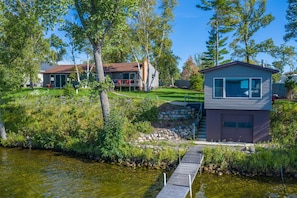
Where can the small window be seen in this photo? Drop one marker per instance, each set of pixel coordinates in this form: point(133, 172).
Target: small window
point(230, 124)
point(52, 79)
point(244, 125)
point(256, 88)
point(218, 92)
point(125, 75)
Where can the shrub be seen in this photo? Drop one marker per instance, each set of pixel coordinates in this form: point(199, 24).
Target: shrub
point(196, 81)
point(283, 123)
point(51, 122)
point(14, 140)
point(136, 111)
point(147, 110)
point(68, 90)
point(111, 139)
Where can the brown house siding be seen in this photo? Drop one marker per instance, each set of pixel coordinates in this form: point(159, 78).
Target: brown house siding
point(258, 130)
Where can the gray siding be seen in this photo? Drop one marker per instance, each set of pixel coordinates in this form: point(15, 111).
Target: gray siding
point(263, 103)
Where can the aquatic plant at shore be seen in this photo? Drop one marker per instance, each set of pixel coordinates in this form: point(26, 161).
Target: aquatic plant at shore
point(267, 160)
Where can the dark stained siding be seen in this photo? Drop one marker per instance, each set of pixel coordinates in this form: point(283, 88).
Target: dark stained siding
point(263, 103)
point(260, 128)
point(46, 79)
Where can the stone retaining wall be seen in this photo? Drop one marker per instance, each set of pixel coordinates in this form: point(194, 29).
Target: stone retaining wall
point(180, 114)
point(172, 133)
point(163, 134)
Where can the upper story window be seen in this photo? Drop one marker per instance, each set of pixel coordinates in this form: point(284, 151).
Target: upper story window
point(237, 88)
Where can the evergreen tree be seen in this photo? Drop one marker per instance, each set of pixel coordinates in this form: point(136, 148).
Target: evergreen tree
point(250, 16)
point(209, 57)
point(291, 27)
point(221, 22)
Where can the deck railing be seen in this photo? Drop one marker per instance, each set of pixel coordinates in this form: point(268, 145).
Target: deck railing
point(125, 82)
point(199, 114)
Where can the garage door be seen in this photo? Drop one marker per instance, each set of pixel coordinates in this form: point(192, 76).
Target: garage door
point(237, 128)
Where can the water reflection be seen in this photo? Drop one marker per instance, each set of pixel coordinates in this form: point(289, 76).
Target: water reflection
point(236, 186)
point(34, 173)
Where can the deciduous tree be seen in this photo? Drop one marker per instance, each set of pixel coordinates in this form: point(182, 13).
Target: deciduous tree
point(22, 23)
point(96, 20)
point(189, 68)
point(150, 35)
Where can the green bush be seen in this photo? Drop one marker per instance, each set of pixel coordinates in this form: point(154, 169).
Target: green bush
point(68, 90)
point(196, 81)
point(147, 110)
point(283, 123)
point(263, 161)
point(111, 139)
point(51, 122)
point(137, 110)
point(15, 140)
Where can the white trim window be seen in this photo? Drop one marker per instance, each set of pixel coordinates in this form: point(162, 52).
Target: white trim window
point(237, 87)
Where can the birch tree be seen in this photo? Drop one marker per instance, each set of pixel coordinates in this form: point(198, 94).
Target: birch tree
point(150, 34)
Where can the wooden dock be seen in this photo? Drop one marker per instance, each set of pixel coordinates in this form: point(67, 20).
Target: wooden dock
point(178, 184)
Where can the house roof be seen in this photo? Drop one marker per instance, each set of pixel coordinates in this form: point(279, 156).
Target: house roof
point(241, 64)
point(60, 69)
point(108, 68)
point(121, 67)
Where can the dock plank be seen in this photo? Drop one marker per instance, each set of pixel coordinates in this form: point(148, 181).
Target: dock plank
point(192, 158)
point(178, 184)
point(173, 191)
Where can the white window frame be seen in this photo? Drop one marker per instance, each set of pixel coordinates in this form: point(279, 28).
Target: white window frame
point(250, 87)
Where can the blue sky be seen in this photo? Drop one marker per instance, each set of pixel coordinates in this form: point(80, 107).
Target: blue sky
point(190, 29)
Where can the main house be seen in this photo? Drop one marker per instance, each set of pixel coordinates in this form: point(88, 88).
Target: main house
point(238, 102)
point(129, 75)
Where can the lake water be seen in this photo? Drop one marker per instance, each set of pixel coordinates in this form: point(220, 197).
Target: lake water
point(35, 173)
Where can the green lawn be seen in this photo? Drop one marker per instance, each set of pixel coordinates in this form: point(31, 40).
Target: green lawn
point(161, 94)
point(167, 94)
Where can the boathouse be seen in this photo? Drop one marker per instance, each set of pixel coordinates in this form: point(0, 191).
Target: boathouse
point(238, 102)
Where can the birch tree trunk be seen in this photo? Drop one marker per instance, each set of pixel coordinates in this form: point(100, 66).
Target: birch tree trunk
point(100, 72)
point(2, 129)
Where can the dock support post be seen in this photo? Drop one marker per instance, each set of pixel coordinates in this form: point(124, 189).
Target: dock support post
point(190, 186)
point(194, 126)
point(164, 178)
point(178, 156)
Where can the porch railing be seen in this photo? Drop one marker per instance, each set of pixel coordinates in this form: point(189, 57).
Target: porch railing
point(126, 82)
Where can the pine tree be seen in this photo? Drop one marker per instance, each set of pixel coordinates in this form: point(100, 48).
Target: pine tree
point(250, 17)
point(209, 57)
point(221, 22)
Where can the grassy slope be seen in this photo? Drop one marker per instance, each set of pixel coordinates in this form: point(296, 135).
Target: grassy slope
point(168, 94)
point(161, 94)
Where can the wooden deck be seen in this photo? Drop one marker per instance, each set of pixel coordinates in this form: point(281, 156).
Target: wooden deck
point(178, 184)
